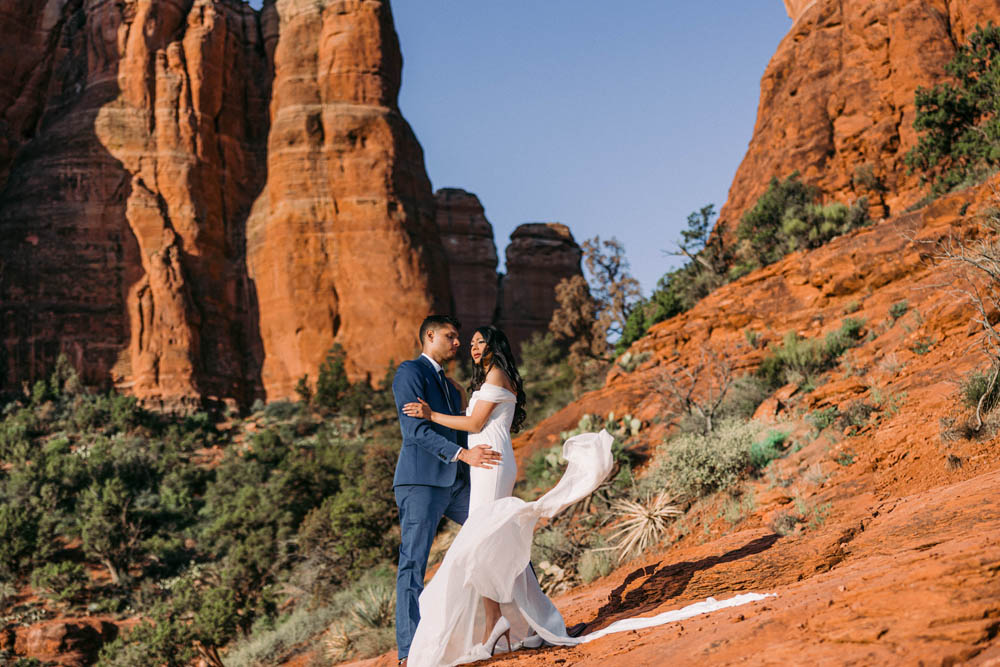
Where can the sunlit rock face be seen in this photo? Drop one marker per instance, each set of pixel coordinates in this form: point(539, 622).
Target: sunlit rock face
point(342, 243)
point(837, 98)
point(198, 199)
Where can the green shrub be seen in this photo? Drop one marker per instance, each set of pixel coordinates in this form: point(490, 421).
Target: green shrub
point(898, 309)
point(696, 465)
point(764, 451)
point(785, 219)
point(802, 360)
point(18, 537)
point(596, 563)
point(821, 419)
point(62, 582)
point(332, 384)
point(548, 378)
point(975, 385)
point(958, 122)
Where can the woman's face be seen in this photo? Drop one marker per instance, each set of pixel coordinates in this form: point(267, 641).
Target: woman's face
point(480, 355)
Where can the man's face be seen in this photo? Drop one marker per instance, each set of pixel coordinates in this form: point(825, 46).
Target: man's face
point(441, 344)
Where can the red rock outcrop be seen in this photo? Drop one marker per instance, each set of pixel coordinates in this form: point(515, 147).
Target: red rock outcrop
point(837, 99)
point(538, 257)
point(342, 244)
point(65, 642)
point(177, 229)
point(467, 237)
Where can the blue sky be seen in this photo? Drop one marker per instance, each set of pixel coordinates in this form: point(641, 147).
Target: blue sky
point(618, 119)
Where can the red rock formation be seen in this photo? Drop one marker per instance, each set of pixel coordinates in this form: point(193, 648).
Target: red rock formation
point(467, 237)
point(538, 257)
point(64, 642)
point(342, 244)
point(136, 138)
point(837, 99)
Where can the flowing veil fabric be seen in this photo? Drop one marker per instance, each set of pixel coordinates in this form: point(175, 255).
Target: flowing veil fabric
point(489, 558)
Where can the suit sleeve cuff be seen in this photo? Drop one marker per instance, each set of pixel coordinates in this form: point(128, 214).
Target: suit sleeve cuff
point(455, 457)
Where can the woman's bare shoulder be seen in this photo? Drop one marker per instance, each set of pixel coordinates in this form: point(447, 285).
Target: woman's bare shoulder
point(498, 377)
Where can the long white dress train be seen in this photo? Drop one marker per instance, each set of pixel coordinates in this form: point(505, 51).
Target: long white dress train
point(490, 555)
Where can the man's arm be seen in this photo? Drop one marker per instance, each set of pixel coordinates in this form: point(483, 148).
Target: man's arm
point(407, 388)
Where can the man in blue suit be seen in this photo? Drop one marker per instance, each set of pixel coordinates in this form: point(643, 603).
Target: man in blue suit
point(432, 473)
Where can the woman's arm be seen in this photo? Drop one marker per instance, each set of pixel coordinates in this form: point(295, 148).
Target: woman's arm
point(473, 423)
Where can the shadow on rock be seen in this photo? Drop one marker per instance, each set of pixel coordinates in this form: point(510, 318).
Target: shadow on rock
point(661, 583)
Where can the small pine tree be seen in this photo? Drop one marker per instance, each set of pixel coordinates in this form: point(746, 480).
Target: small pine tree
point(332, 383)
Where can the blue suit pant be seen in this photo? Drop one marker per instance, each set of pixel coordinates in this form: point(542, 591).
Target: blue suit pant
point(420, 510)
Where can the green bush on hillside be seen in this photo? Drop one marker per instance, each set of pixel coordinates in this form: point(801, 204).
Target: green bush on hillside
point(784, 219)
point(801, 361)
point(959, 142)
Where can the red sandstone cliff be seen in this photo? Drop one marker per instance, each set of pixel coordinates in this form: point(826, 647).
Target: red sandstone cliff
point(199, 199)
point(342, 244)
point(836, 100)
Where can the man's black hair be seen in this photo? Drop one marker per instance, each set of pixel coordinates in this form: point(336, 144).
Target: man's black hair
point(435, 321)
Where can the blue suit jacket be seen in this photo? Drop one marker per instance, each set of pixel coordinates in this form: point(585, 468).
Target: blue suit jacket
point(428, 448)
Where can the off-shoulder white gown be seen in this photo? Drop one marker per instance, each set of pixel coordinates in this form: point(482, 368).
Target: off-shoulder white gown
point(490, 554)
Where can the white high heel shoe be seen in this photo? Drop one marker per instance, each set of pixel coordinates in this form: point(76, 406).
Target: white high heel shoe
point(501, 629)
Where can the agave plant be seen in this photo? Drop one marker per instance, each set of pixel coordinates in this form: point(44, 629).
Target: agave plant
point(375, 607)
point(642, 524)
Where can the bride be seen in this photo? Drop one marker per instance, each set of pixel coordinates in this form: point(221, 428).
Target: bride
point(485, 590)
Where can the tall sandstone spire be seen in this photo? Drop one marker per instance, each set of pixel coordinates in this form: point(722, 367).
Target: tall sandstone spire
point(342, 244)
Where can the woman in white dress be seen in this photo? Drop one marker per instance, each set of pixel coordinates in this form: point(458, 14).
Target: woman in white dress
point(485, 589)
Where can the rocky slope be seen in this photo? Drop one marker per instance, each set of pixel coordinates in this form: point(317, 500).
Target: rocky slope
point(899, 562)
point(836, 100)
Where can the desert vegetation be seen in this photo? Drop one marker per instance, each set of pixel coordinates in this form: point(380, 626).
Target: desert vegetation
point(786, 218)
point(210, 528)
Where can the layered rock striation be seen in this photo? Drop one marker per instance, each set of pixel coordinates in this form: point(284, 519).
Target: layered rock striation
point(342, 243)
point(837, 98)
point(198, 199)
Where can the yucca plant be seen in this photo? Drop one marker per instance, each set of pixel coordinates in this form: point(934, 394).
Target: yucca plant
point(643, 524)
point(376, 607)
point(340, 643)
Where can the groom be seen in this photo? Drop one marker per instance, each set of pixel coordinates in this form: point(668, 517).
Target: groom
point(432, 473)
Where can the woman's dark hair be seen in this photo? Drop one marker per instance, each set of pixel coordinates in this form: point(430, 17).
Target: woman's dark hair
point(498, 347)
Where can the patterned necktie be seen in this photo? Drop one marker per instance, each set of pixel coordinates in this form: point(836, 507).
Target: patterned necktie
point(447, 394)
